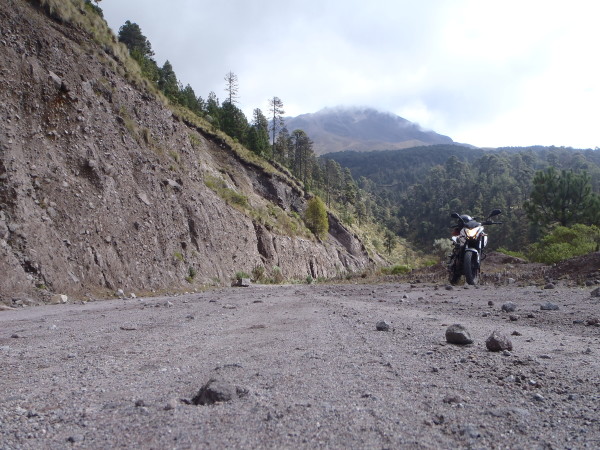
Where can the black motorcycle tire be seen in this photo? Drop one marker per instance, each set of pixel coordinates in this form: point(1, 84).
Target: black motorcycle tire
point(470, 267)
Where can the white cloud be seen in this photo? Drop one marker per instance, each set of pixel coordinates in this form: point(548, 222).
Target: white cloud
point(493, 74)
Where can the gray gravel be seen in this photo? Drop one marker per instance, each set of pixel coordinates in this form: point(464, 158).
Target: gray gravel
point(303, 367)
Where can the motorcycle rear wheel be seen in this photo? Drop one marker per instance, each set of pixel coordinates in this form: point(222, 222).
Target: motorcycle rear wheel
point(471, 268)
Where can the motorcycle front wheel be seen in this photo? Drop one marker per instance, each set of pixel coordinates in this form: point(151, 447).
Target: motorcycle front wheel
point(471, 268)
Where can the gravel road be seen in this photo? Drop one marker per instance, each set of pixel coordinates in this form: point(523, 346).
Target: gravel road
point(306, 368)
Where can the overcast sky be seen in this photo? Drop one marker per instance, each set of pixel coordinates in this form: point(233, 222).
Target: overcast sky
point(491, 74)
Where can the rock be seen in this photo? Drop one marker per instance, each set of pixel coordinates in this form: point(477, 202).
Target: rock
point(509, 307)
point(76, 438)
point(55, 79)
point(513, 317)
point(595, 292)
point(382, 325)
point(58, 299)
point(120, 293)
point(470, 431)
point(549, 307)
point(243, 282)
point(550, 286)
point(217, 391)
point(458, 334)
point(449, 287)
point(594, 321)
point(498, 342)
point(171, 404)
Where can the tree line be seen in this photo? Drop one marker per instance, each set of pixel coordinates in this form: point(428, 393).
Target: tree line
point(537, 188)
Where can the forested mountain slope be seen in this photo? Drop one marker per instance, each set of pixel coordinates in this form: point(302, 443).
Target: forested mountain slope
point(361, 129)
point(104, 187)
point(416, 189)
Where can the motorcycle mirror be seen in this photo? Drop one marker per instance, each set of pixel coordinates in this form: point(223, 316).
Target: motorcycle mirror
point(455, 215)
point(495, 213)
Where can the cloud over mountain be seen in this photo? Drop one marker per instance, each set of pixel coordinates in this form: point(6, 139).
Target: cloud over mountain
point(361, 129)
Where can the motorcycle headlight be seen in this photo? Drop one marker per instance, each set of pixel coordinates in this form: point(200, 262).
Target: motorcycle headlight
point(471, 232)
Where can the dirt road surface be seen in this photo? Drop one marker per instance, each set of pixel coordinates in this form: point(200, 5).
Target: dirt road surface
point(306, 368)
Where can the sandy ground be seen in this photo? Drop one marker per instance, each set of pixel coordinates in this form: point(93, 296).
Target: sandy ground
point(310, 368)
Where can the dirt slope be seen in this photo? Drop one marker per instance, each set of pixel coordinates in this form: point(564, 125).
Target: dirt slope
point(102, 187)
point(310, 368)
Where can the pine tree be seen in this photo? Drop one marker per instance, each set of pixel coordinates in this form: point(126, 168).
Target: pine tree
point(131, 35)
point(564, 198)
point(231, 87)
point(277, 112)
point(258, 139)
point(168, 83)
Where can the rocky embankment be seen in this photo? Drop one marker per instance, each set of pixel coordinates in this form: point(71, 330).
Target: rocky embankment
point(103, 188)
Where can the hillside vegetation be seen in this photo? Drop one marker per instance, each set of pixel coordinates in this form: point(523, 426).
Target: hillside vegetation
point(537, 188)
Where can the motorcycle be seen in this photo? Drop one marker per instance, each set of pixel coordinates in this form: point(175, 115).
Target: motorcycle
point(469, 241)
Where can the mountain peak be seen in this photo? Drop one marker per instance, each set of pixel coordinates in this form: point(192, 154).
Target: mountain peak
point(334, 129)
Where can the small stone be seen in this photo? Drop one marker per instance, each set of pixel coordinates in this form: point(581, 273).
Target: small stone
point(549, 307)
point(120, 293)
point(497, 342)
point(243, 282)
point(382, 325)
point(171, 404)
point(458, 334)
point(490, 303)
point(516, 333)
point(509, 307)
point(449, 287)
point(132, 295)
point(538, 397)
point(76, 438)
point(470, 431)
point(58, 299)
point(215, 391)
point(550, 286)
point(595, 292)
point(513, 317)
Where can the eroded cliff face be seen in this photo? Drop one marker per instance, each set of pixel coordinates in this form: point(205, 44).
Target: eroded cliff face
point(103, 188)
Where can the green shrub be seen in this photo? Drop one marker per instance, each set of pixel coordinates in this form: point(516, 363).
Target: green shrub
point(512, 253)
point(563, 243)
point(315, 217)
point(240, 275)
point(258, 273)
point(277, 276)
point(398, 269)
point(191, 274)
